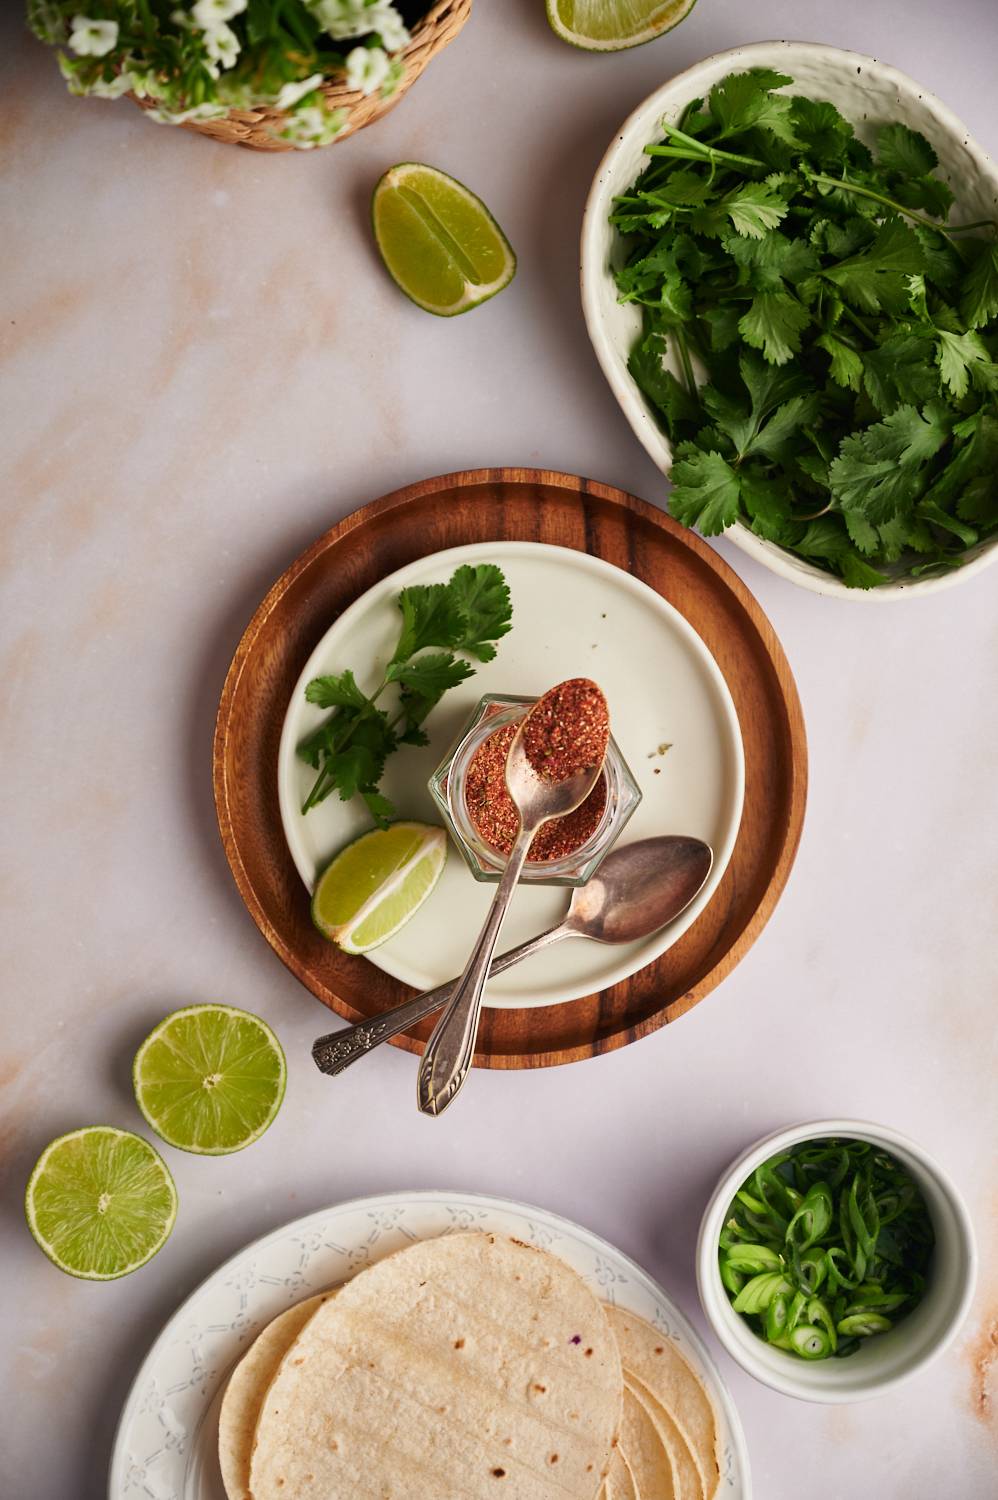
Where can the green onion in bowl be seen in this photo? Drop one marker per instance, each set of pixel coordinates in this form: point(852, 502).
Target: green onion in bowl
point(824, 1245)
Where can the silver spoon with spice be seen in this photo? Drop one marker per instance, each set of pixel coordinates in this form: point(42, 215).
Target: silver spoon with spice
point(553, 764)
point(635, 892)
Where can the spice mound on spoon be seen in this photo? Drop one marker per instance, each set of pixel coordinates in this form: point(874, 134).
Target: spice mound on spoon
point(554, 762)
point(568, 730)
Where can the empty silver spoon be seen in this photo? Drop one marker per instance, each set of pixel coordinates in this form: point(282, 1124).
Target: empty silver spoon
point(635, 891)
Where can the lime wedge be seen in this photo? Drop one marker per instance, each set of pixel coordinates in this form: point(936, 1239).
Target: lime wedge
point(611, 25)
point(439, 241)
point(210, 1079)
point(377, 883)
point(100, 1202)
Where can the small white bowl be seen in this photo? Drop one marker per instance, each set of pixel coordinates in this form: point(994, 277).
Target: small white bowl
point(885, 1359)
point(869, 94)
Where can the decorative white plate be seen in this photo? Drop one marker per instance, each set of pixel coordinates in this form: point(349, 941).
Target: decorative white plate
point(573, 615)
point(868, 93)
point(166, 1444)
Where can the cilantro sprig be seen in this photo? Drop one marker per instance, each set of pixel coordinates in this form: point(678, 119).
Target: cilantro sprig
point(836, 336)
point(442, 625)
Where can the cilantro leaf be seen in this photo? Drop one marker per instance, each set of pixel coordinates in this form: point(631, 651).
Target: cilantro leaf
point(743, 101)
point(905, 151)
point(902, 371)
point(430, 676)
point(753, 209)
point(774, 324)
point(861, 277)
point(846, 367)
point(957, 354)
point(378, 805)
point(768, 262)
point(336, 691)
point(879, 471)
point(480, 598)
point(429, 618)
point(705, 490)
point(658, 384)
point(980, 290)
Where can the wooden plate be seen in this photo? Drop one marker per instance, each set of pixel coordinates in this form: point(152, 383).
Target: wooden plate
point(534, 505)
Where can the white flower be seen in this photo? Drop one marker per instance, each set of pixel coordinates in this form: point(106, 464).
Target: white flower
point(367, 68)
point(208, 13)
point(222, 44)
point(93, 38)
point(102, 88)
point(339, 18)
point(313, 126)
point(386, 21)
point(178, 116)
point(395, 75)
point(292, 92)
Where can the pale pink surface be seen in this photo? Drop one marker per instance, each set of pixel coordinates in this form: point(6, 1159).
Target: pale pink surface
point(204, 366)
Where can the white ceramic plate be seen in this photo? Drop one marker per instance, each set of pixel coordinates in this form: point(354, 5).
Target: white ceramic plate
point(166, 1444)
point(868, 93)
point(573, 615)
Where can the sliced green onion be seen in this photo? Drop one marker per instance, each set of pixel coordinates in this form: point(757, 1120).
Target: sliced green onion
point(756, 1295)
point(862, 1325)
point(754, 1258)
point(776, 1317)
point(811, 1268)
point(810, 1342)
point(733, 1280)
point(813, 1219)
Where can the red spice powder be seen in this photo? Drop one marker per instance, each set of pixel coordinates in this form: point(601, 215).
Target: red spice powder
point(494, 814)
point(567, 730)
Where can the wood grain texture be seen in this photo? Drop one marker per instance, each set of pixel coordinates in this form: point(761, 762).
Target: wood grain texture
point(514, 505)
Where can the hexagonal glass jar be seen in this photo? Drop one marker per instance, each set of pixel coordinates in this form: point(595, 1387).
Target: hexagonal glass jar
point(447, 787)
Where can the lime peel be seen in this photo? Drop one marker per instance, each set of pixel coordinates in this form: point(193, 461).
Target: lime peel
point(612, 25)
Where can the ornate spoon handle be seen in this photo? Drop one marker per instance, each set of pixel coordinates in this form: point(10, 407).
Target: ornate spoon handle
point(336, 1051)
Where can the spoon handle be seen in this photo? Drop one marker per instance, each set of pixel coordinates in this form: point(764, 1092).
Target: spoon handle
point(445, 1063)
point(335, 1052)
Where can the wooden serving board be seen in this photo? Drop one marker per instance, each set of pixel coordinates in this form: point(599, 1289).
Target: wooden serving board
point(514, 505)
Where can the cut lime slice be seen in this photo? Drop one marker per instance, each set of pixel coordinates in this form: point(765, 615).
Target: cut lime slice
point(439, 241)
point(611, 25)
point(377, 883)
point(210, 1078)
point(100, 1202)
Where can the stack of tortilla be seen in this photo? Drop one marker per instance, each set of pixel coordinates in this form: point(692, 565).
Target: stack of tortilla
point(465, 1367)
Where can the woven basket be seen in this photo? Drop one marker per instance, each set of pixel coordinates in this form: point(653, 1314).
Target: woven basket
point(257, 128)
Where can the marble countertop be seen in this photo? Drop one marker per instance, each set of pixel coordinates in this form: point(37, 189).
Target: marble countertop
point(204, 367)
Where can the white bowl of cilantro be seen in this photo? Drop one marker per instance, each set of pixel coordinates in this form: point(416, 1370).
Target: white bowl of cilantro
point(835, 1259)
point(796, 306)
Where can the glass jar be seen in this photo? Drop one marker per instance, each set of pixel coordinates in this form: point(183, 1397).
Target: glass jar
point(448, 786)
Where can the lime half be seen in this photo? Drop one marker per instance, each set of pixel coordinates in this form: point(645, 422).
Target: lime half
point(611, 25)
point(100, 1202)
point(439, 241)
point(210, 1078)
point(377, 883)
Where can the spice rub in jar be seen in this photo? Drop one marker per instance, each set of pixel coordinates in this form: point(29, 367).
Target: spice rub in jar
point(567, 731)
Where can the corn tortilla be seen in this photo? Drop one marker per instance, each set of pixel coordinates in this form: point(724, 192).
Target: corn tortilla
point(246, 1389)
point(656, 1362)
point(467, 1366)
